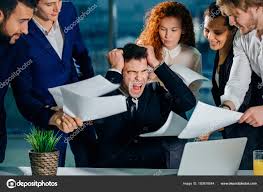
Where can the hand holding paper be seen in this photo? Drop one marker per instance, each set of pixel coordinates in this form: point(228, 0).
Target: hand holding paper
point(64, 122)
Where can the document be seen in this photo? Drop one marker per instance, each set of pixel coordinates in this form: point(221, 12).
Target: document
point(172, 127)
point(93, 87)
point(82, 99)
point(206, 119)
point(187, 75)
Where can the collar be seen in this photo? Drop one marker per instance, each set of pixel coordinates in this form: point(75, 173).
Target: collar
point(124, 92)
point(53, 29)
point(173, 52)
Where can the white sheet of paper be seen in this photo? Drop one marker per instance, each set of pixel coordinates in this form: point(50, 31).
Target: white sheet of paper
point(187, 75)
point(172, 127)
point(82, 99)
point(57, 95)
point(206, 119)
point(93, 87)
point(92, 108)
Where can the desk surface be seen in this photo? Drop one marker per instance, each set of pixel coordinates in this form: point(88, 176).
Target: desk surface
point(70, 171)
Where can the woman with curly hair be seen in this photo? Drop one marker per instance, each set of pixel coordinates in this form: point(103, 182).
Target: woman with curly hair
point(169, 29)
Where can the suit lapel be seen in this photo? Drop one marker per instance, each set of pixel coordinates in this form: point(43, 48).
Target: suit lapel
point(63, 24)
point(41, 38)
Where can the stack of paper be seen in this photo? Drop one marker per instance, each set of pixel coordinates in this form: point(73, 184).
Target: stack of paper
point(82, 99)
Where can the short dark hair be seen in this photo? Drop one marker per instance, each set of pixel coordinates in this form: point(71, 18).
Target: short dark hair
point(133, 51)
point(8, 6)
point(213, 11)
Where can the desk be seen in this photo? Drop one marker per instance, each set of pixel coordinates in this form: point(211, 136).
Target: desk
point(70, 171)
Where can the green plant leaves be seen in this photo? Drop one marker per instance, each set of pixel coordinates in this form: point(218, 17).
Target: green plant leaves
point(42, 141)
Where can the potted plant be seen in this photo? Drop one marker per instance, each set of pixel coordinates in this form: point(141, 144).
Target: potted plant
point(43, 156)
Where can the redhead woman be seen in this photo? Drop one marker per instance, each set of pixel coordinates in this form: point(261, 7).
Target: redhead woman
point(169, 29)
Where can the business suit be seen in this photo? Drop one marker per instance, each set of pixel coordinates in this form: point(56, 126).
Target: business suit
point(49, 70)
point(8, 71)
point(6, 68)
point(119, 144)
point(252, 98)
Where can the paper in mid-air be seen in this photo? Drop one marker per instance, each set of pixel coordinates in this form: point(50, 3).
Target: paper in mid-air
point(206, 119)
point(187, 75)
point(172, 127)
point(82, 99)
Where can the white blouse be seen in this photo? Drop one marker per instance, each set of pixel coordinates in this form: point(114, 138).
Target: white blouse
point(189, 57)
point(217, 78)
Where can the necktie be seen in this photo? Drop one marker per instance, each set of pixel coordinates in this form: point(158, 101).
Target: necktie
point(131, 106)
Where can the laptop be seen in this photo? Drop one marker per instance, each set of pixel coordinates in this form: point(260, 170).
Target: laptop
point(216, 157)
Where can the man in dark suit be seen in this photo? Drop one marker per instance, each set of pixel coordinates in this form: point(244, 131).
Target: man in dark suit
point(14, 17)
point(51, 51)
point(149, 105)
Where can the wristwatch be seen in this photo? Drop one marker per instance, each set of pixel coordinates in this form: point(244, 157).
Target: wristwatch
point(224, 105)
point(156, 67)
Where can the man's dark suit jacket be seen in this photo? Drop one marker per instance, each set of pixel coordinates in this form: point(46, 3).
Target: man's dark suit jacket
point(119, 144)
point(47, 70)
point(7, 68)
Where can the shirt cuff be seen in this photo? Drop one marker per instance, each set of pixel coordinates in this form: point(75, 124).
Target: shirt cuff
point(231, 98)
point(158, 66)
point(116, 70)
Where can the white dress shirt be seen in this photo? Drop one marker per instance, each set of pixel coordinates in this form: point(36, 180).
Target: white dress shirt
point(189, 57)
point(54, 36)
point(248, 57)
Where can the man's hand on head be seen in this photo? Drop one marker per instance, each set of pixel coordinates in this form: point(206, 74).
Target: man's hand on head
point(151, 58)
point(116, 60)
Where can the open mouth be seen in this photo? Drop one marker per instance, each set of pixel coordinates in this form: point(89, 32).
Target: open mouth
point(136, 87)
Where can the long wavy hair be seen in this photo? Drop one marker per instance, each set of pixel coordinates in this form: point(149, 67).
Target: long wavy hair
point(150, 34)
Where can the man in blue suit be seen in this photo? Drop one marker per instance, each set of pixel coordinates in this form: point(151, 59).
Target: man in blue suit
point(14, 17)
point(54, 53)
